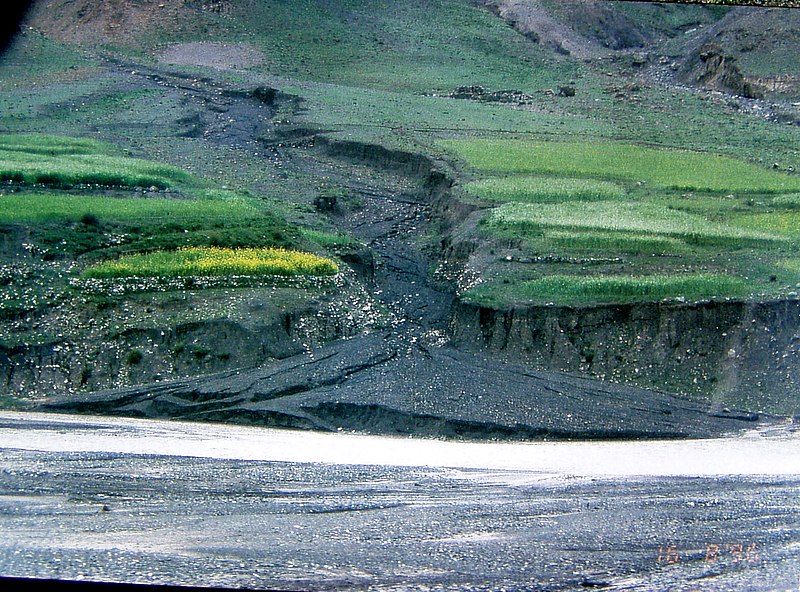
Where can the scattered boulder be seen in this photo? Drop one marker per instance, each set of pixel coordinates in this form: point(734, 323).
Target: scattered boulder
point(479, 93)
point(472, 92)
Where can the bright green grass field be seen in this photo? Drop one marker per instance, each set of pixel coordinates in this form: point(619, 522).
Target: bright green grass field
point(626, 217)
point(581, 290)
point(211, 261)
point(699, 246)
point(783, 223)
point(544, 189)
point(49, 207)
point(51, 145)
point(100, 222)
point(65, 162)
point(632, 243)
point(668, 169)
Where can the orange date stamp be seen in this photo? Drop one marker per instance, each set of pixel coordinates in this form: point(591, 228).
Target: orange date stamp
point(733, 552)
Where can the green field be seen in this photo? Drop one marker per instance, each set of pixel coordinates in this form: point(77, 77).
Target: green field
point(32, 207)
point(67, 162)
point(692, 225)
point(613, 242)
point(196, 261)
point(524, 189)
point(783, 223)
point(626, 217)
point(80, 197)
point(661, 168)
point(51, 145)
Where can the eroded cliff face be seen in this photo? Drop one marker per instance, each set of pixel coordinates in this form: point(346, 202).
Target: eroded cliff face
point(154, 337)
point(738, 354)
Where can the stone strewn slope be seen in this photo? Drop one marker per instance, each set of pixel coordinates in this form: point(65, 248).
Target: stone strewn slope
point(748, 354)
point(384, 385)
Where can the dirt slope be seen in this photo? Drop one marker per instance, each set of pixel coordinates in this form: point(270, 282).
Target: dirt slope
point(764, 43)
point(87, 22)
point(583, 28)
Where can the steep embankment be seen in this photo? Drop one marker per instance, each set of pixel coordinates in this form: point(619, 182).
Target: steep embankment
point(759, 46)
point(386, 385)
point(734, 353)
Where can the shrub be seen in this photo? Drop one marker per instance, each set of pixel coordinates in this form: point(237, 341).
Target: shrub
point(135, 357)
point(200, 352)
point(90, 219)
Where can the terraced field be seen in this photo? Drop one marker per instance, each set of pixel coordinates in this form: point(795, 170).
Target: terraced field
point(658, 223)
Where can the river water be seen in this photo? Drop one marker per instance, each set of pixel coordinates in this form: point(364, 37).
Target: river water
point(141, 501)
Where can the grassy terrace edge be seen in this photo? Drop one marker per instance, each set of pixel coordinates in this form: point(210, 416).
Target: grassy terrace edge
point(544, 189)
point(66, 162)
point(50, 207)
point(567, 290)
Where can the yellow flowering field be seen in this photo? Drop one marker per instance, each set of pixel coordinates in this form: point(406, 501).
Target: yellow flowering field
point(214, 261)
